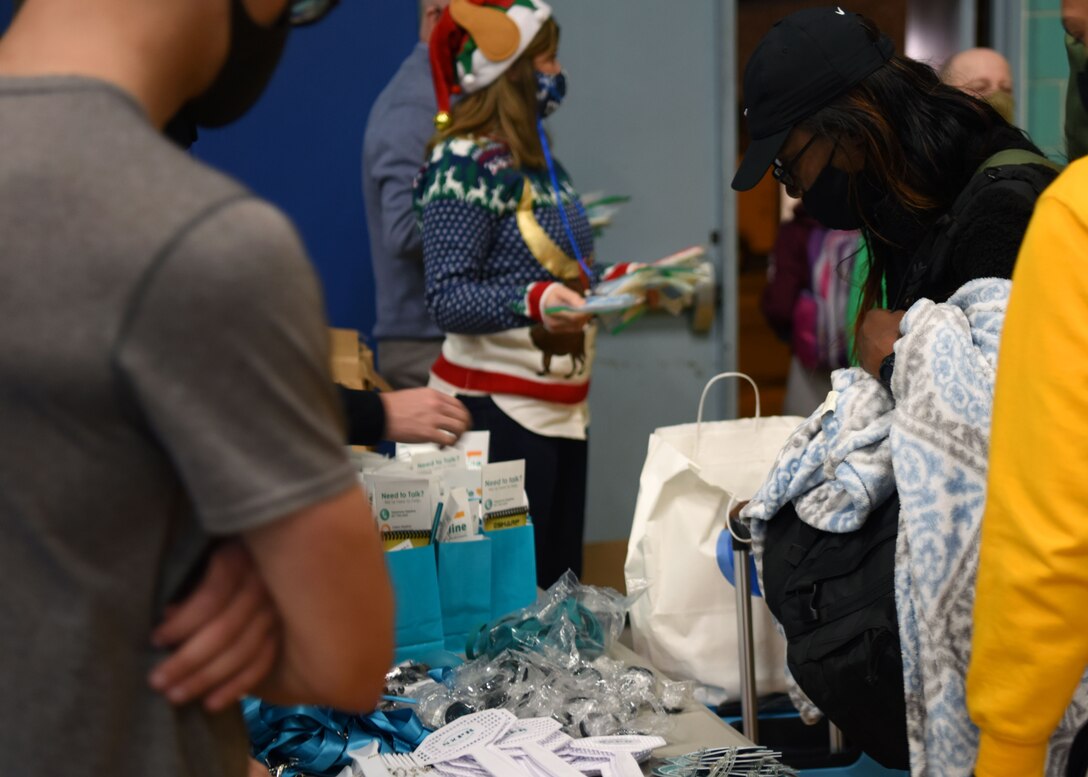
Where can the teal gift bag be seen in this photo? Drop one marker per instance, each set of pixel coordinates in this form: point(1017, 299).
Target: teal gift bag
point(513, 570)
point(418, 608)
point(464, 588)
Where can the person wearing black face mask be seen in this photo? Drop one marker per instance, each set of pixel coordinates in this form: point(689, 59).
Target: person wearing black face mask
point(942, 188)
point(872, 140)
point(171, 432)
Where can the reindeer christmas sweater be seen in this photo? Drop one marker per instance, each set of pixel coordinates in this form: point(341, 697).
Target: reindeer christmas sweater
point(493, 242)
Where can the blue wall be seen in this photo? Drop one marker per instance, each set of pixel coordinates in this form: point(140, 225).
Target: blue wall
point(301, 145)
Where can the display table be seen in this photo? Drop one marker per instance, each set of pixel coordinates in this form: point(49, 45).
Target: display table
point(695, 728)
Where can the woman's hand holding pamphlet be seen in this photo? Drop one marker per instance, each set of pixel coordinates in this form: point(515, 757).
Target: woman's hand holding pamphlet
point(668, 283)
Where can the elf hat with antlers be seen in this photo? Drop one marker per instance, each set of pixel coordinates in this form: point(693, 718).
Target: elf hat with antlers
point(475, 41)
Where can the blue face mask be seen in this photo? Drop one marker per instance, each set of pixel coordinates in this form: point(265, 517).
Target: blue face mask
point(550, 91)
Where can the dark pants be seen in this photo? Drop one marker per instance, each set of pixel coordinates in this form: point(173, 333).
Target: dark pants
point(555, 479)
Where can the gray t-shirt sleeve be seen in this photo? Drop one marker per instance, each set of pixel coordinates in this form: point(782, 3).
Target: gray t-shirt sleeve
point(225, 352)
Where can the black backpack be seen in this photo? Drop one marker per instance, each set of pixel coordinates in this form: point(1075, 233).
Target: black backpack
point(834, 594)
point(1022, 172)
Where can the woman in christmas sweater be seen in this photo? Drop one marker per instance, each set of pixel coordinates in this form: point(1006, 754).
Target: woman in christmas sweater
point(506, 244)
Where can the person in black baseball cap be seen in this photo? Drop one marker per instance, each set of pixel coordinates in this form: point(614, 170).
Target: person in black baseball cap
point(874, 141)
point(804, 62)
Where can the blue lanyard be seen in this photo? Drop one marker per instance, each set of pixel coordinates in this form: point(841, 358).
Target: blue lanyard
point(559, 200)
point(315, 741)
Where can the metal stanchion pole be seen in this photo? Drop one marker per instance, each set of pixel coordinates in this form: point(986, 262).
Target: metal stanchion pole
point(748, 703)
point(836, 744)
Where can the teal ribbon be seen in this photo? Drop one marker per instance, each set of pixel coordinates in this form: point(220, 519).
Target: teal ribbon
point(440, 674)
point(509, 633)
point(315, 741)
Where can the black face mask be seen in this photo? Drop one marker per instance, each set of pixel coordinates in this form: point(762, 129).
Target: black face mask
point(254, 53)
point(828, 200)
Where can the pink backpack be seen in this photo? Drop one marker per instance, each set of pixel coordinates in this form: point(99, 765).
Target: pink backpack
point(819, 314)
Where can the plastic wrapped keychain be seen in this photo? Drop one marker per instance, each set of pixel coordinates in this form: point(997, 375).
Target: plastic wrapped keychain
point(726, 762)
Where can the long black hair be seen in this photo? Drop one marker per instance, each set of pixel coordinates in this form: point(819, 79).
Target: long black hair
point(921, 140)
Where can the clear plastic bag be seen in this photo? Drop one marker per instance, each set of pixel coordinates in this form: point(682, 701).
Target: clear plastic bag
point(589, 698)
point(569, 616)
point(549, 660)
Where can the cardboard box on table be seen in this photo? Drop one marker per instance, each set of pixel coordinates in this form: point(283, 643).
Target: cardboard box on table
point(352, 362)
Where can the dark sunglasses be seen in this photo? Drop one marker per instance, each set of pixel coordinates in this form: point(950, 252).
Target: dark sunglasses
point(783, 171)
point(303, 12)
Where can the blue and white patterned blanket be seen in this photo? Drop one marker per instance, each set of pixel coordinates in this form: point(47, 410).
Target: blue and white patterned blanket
point(934, 450)
point(837, 466)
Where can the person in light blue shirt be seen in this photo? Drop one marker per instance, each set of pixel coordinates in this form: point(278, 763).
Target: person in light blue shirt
point(400, 124)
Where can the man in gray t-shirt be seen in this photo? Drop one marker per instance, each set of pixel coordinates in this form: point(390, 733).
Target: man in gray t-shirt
point(163, 382)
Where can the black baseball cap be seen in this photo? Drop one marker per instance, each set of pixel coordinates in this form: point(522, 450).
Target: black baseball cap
point(805, 61)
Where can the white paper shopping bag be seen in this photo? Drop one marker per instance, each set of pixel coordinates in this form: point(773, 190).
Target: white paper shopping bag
point(685, 621)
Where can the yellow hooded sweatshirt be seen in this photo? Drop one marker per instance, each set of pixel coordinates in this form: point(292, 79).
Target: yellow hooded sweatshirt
point(1030, 644)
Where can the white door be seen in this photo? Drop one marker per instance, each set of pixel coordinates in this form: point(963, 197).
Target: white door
point(650, 113)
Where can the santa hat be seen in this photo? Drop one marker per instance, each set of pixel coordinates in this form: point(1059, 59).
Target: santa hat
point(475, 41)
